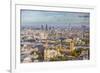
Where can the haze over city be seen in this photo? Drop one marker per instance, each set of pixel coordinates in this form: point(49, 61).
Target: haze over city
point(36, 18)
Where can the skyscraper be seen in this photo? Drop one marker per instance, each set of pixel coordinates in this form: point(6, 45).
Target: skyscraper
point(46, 27)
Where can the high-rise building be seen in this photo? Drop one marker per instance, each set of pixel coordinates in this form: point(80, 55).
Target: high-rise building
point(69, 27)
point(42, 28)
point(46, 27)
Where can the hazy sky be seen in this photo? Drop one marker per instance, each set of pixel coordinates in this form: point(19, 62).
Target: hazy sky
point(31, 17)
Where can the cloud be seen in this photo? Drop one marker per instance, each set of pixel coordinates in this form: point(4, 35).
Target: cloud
point(51, 17)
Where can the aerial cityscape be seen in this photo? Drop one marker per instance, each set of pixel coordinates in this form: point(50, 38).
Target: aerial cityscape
point(47, 36)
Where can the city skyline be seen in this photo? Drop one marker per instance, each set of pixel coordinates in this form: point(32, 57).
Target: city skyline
point(54, 36)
